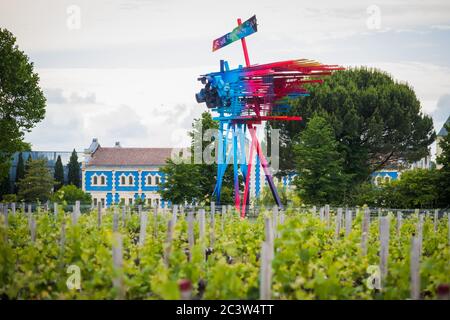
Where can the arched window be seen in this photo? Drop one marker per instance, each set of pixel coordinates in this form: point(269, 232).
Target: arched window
point(102, 180)
point(130, 179)
point(379, 180)
point(387, 179)
point(95, 180)
point(149, 179)
point(156, 180)
point(122, 179)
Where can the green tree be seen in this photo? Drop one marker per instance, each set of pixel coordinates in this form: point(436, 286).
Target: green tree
point(74, 170)
point(194, 182)
point(444, 173)
point(319, 165)
point(414, 189)
point(375, 120)
point(5, 186)
point(70, 194)
point(59, 173)
point(20, 171)
point(38, 182)
point(27, 164)
point(181, 183)
point(22, 102)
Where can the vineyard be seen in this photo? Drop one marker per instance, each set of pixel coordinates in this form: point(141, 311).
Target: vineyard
point(119, 253)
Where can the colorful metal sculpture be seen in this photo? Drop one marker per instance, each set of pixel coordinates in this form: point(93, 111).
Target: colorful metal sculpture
point(246, 96)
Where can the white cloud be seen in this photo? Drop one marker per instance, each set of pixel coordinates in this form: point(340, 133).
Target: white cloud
point(169, 44)
point(139, 107)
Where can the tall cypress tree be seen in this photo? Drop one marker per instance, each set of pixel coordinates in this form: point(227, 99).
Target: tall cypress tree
point(59, 173)
point(20, 172)
point(74, 170)
point(27, 164)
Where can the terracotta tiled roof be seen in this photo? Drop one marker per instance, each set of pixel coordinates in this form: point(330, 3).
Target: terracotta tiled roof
point(129, 156)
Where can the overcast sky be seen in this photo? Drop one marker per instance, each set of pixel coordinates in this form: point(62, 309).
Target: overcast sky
point(126, 70)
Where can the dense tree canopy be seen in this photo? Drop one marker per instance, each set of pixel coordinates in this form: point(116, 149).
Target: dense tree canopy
point(194, 182)
point(38, 182)
point(444, 178)
point(375, 120)
point(70, 194)
point(22, 102)
point(320, 178)
point(418, 188)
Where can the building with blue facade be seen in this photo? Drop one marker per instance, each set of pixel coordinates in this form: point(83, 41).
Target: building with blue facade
point(123, 175)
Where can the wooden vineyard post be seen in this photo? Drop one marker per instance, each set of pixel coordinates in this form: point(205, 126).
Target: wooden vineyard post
point(143, 228)
point(337, 229)
point(213, 207)
point(420, 233)
point(321, 211)
point(13, 208)
point(384, 248)
point(399, 223)
point(348, 222)
point(212, 225)
point(55, 209)
point(139, 210)
point(380, 213)
point(282, 217)
point(202, 223)
point(115, 219)
point(190, 221)
point(5, 214)
point(174, 213)
point(436, 220)
point(74, 216)
point(99, 214)
point(201, 213)
point(314, 211)
point(267, 252)
point(327, 215)
point(118, 265)
point(124, 216)
point(222, 218)
point(415, 268)
point(275, 219)
point(155, 222)
point(33, 228)
point(168, 242)
point(365, 231)
point(62, 239)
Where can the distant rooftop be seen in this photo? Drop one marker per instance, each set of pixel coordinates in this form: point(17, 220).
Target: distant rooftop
point(443, 132)
point(119, 156)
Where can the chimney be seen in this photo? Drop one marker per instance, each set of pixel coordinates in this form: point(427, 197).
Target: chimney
point(117, 145)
